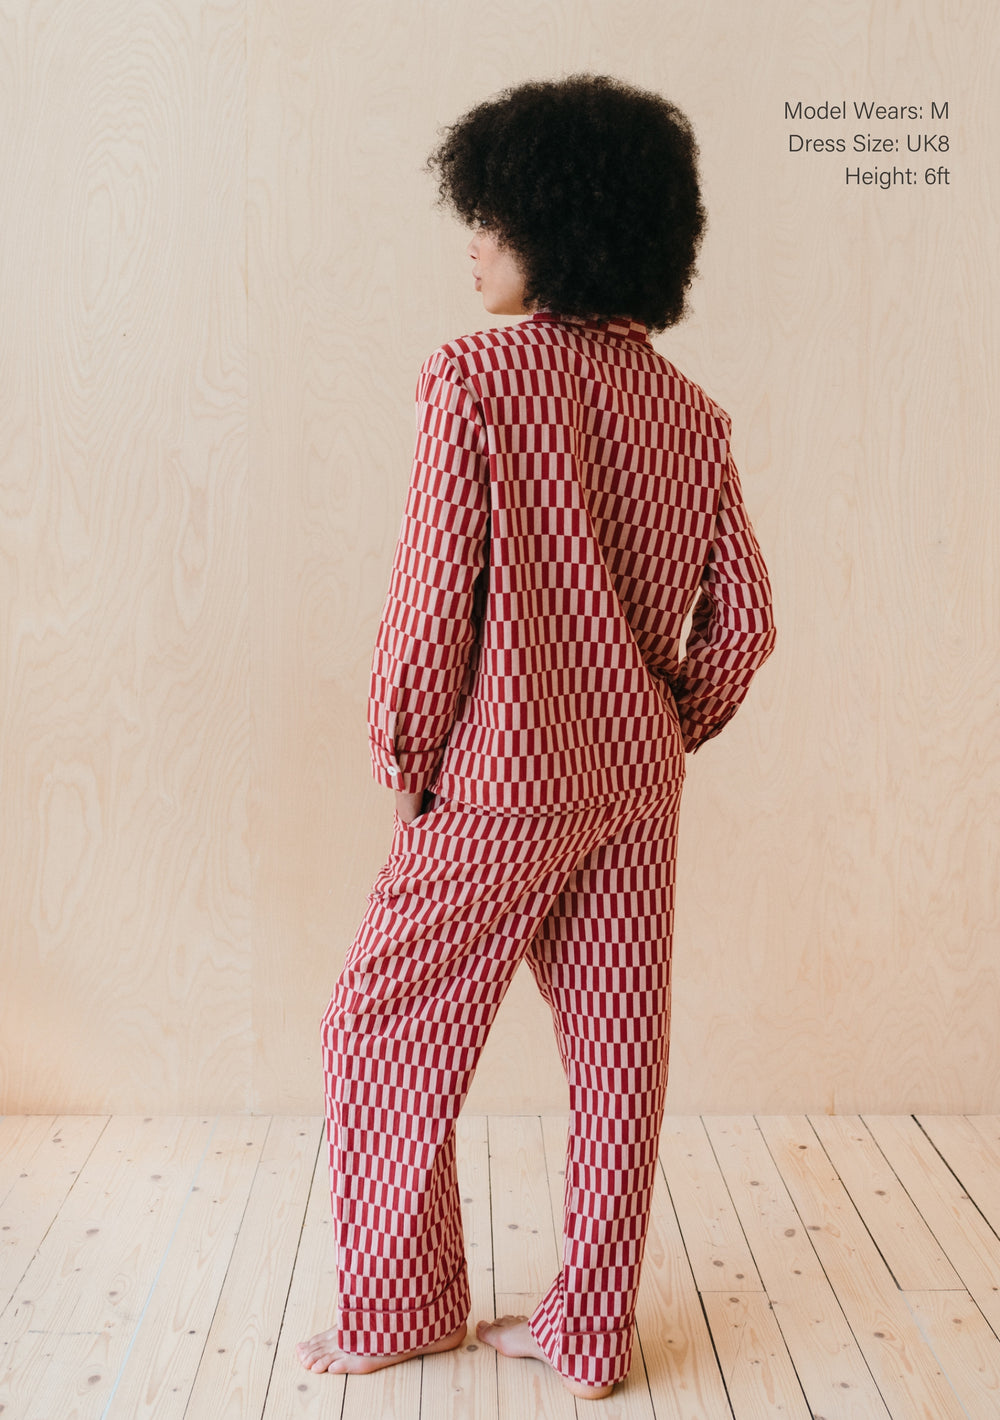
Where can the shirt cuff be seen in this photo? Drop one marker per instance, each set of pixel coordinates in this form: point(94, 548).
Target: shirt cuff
point(417, 773)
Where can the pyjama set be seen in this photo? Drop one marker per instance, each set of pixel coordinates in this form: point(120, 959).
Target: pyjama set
point(572, 499)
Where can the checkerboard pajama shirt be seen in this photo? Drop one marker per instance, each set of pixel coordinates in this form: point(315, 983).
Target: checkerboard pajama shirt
point(572, 499)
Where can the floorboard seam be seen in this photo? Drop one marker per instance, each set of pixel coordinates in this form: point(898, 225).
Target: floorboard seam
point(159, 1271)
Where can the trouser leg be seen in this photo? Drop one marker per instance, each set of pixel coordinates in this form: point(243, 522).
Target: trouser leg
point(449, 918)
point(602, 960)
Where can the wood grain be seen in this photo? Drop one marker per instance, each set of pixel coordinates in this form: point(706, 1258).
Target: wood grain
point(464, 1381)
point(966, 1345)
point(220, 271)
point(174, 1326)
point(912, 1253)
point(684, 1378)
point(759, 1375)
point(908, 1375)
point(973, 1156)
point(935, 1187)
point(828, 1362)
point(716, 1245)
point(182, 1247)
point(68, 1330)
point(38, 1167)
point(311, 1307)
point(236, 1363)
point(525, 1256)
point(124, 871)
point(842, 958)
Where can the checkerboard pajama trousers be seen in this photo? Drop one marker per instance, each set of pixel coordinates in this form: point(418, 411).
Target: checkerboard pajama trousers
point(464, 896)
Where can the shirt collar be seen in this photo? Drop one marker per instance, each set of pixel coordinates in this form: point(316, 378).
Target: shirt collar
point(621, 326)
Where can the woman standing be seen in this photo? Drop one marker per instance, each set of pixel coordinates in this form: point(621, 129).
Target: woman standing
point(572, 499)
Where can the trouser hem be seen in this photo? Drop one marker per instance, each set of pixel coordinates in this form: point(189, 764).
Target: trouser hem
point(371, 1332)
point(594, 1358)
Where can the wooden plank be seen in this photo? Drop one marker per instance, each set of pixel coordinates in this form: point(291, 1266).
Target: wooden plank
point(717, 1250)
point(554, 1136)
point(631, 1399)
point(970, 1243)
point(163, 1360)
point(390, 1394)
point(907, 1375)
point(988, 1125)
point(527, 1387)
point(462, 1384)
point(235, 1368)
point(525, 1257)
point(831, 1369)
point(684, 1378)
point(971, 1156)
point(44, 1160)
point(756, 1367)
point(76, 1311)
point(965, 1345)
point(911, 1252)
point(474, 1181)
point(20, 1136)
point(311, 1306)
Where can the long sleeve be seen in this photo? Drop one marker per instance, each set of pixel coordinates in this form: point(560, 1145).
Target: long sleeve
point(425, 639)
point(732, 630)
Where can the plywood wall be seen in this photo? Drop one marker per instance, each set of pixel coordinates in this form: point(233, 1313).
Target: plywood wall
point(220, 270)
point(125, 907)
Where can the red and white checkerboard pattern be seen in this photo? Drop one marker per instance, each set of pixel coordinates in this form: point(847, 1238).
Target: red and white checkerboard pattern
point(572, 498)
point(571, 495)
point(587, 896)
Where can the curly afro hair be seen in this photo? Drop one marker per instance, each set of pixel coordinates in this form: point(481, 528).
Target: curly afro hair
point(593, 186)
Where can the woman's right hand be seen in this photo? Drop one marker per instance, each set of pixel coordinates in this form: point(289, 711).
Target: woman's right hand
point(409, 806)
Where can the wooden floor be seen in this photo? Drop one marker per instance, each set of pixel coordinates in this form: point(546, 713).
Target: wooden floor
point(824, 1266)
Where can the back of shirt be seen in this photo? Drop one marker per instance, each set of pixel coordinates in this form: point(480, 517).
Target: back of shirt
point(572, 496)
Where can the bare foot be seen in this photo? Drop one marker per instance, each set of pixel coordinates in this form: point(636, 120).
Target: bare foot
point(321, 1353)
point(511, 1336)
